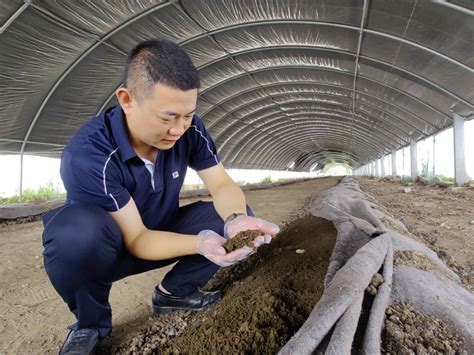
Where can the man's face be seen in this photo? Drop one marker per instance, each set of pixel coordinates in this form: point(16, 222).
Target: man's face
point(160, 119)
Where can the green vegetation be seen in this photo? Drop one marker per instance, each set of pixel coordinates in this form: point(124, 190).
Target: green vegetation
point(445, 178)
point(43, 193)
point(266, 180)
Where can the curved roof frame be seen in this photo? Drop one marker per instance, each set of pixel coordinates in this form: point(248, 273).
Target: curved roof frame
point(323, 49)
point(239, 76)
point(209, 34)
point(79, 59)
point(328, 120)
point(249, 115)
point(293, 133)
point(307, 161)
point(218, 104)
point(289, 156)
point(236, 150)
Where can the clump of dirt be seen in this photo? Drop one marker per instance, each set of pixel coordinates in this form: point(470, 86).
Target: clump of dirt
point(241, 239)
point(408, 332)
point(375, 282)
point(266, 299)
point(419, 260)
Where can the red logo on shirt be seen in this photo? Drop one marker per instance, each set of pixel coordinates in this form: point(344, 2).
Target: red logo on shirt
point(175, 174)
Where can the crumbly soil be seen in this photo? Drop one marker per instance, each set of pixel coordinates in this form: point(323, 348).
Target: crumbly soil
point(241, 239)
point(407, 331)
point(433, 215)
point(266, 299)
point(33, 318)
point(420, 261)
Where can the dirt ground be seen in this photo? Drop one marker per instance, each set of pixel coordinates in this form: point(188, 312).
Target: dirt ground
point(441, 219)
point(265, 300)
point(33, 318)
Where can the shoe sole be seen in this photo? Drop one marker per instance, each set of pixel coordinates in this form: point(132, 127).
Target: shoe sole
point(158, 310)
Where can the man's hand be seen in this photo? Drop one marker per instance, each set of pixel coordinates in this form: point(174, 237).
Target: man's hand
point(209, 244)
point(243, 223)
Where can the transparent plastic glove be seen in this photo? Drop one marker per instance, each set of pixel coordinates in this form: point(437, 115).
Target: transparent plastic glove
point(243, 223)
point(209, 244)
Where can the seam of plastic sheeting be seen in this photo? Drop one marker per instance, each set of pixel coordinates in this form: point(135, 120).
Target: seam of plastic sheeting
point(79, 59)
point(263, 118)
point(231, 57)
point(237, 148)
point(287, 157)
point(305, 163)
point(378, 118)
point(327, 129)
point(302, 136)
point(236, 133)
point(367, 58)
point(237, 77)
point(319, 23)
point(318, 84)
point(262, 146)
point(307, 83)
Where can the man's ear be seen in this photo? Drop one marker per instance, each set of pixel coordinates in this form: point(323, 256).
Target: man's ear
point(125, 99)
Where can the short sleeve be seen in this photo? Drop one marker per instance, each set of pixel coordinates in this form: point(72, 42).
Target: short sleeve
point(203, 153)
point(93, 177)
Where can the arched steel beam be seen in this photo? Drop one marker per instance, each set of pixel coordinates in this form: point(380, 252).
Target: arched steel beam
point(306, 161)
point(314, 84)
point(14, 16)
point(279, 158)
point(370, 60)
point(236, 150)
point(321, 119)
point(80, 59)
point(290, 134)
point(330, 24)
point(285, 67)
point(288, 116)
point(254, 113)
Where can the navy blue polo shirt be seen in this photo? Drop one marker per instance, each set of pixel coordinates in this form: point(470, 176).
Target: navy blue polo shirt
point(100, 167)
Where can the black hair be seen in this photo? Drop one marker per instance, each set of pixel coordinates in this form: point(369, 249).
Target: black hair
point(159, 61)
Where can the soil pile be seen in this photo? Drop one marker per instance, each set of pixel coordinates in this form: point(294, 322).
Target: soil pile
point(442, 219)
point(266, 299)
point(242, 239)
point(409, 332)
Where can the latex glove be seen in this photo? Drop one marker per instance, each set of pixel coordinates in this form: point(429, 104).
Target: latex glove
point(209, 244)
point(243, 223)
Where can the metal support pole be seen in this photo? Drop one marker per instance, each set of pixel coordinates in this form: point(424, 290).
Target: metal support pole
point(434, 158)
point(414, 164)
point(382, 161)
point(21, 176)
point(394, 164)
point(460, 174)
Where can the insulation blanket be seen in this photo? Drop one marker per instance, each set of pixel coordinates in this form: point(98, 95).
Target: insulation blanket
point(370, 241)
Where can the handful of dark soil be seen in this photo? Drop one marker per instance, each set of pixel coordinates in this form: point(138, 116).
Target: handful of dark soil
point(242, 239)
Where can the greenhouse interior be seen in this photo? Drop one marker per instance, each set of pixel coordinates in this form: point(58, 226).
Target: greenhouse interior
point(346, 126)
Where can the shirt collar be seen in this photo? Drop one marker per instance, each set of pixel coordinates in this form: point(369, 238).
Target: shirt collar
point(120, 133)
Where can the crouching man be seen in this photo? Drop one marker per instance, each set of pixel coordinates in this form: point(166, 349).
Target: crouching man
point(123, 171)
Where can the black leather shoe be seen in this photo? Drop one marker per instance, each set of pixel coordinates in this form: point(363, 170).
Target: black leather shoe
point(81, 342)
point(164, 303)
